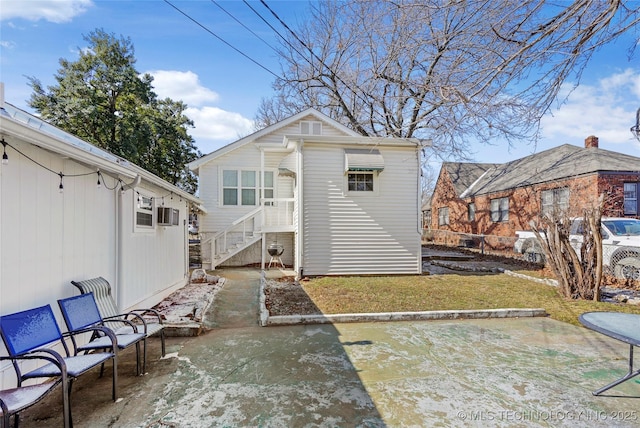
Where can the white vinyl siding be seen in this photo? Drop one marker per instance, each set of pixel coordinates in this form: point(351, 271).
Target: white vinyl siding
point(367, 234)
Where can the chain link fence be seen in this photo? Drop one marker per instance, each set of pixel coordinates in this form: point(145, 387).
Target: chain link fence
point(485, 244)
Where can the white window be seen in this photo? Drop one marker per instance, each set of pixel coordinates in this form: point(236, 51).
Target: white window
point(500, 209)
point(360, 182)
point(555, 201)
point(144, 212)
point(268, 185)
point(310, 127)
point(630, 198)
point(242, 187)
point(443, 216)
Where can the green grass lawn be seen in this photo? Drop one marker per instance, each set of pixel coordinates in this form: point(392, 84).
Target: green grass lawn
point(335, 295)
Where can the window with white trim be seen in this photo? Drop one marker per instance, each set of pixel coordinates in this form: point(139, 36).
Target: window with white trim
point(499, 209)
point(242, 187)
point(360, 182)
point(555, 201)
point(443, 216)
point(144, 212)
point(630, 198)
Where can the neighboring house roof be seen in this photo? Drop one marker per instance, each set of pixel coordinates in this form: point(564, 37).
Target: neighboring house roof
point(559, 163)
point(59, 141)
point(464, 174)
point(268, 130)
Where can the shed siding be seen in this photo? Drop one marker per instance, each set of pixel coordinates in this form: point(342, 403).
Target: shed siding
point(149, 271)
point(347, 233)
point(48, 237)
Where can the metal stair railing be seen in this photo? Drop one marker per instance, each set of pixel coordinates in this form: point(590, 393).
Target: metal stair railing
point(240, 234)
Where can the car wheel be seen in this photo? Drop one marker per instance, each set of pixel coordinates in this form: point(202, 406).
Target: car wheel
point(628, 268)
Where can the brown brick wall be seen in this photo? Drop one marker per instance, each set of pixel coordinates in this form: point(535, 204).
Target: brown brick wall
point(525, 203)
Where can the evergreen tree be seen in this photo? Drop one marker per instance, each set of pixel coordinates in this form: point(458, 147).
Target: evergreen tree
point(104, 100)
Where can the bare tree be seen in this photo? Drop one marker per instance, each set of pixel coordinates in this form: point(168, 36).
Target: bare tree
point(448, 71)
point(579, 275)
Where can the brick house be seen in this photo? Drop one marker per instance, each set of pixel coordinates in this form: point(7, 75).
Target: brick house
point(499, 199)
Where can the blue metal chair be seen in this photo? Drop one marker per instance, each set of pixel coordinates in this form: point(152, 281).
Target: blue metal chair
point(27, 334)
point(81, 315)
point(15, 400)
point(101, 290)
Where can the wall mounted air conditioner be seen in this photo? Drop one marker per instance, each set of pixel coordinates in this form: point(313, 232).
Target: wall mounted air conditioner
point(168, 216)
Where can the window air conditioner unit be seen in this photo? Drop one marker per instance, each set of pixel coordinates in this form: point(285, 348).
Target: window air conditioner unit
point(168, 216)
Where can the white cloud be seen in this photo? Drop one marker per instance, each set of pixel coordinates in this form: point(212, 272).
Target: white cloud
point(57, 11)
point(606, 109)
point(182, 86)
point(214, 127)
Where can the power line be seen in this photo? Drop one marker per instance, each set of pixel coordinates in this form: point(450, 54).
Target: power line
point(221, 39)
point(334, 74)
point(244, 26)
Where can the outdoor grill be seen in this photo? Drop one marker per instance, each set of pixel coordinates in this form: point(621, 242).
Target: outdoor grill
point(275, 251)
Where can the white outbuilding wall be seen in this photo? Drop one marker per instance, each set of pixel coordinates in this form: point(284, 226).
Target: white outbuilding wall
point(50, 237)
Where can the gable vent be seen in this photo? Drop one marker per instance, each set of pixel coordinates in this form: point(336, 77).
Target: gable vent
point(310, 128)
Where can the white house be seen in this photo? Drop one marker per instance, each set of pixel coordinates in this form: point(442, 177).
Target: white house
point(71, 211)
point(339, 203)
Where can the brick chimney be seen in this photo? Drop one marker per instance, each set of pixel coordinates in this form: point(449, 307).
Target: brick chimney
point(591, 142)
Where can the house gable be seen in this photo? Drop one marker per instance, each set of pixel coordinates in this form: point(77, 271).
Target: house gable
point(274, 134)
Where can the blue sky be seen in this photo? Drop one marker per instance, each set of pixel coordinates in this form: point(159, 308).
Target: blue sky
point(223, 89)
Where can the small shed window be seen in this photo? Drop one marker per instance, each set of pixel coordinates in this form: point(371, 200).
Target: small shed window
point(144, 211)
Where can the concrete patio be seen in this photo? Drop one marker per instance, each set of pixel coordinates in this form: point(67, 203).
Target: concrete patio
point(490, 372)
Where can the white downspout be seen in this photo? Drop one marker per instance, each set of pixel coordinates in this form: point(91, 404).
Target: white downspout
point(261, 195)
point(119, 257)
point(299, 254)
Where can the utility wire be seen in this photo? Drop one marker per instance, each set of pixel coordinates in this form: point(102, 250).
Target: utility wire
point(221, 39)
point(276, 31)
point(334, 74)
point(245, 27)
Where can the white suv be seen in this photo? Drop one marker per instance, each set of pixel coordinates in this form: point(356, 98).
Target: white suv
point(620, 245)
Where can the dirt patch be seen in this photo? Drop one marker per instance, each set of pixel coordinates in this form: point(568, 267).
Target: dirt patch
point(285, 296)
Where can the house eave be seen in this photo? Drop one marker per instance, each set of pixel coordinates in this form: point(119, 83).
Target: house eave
point(90, 155)
point(353, 140)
